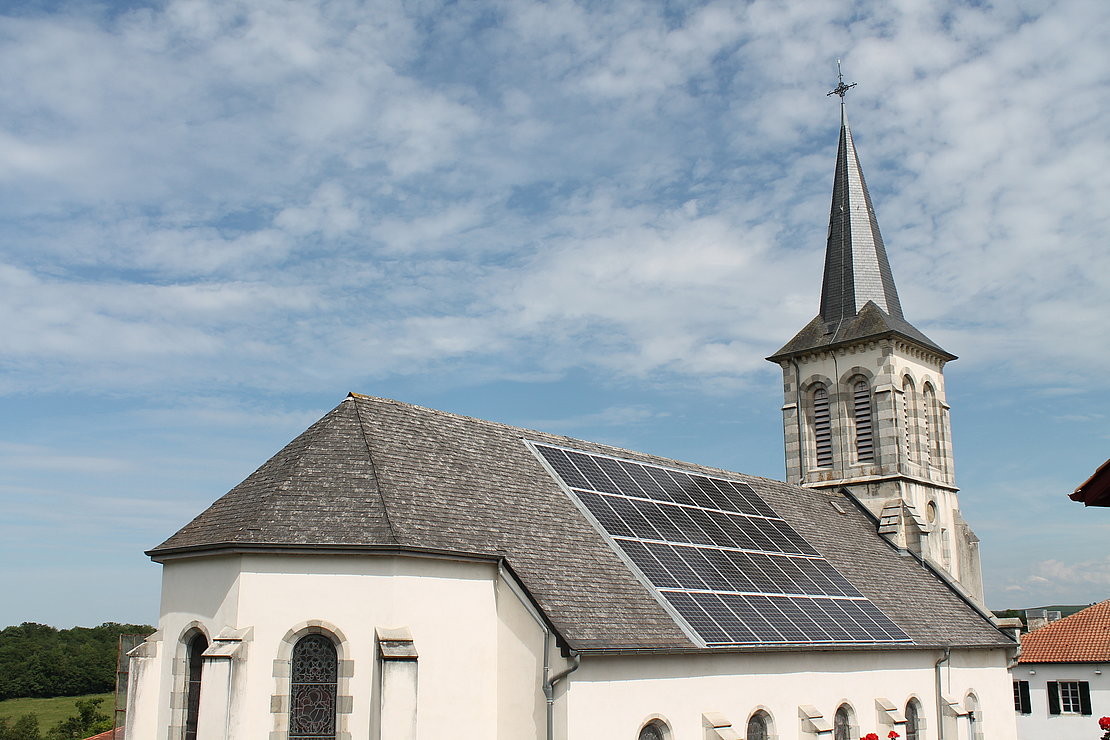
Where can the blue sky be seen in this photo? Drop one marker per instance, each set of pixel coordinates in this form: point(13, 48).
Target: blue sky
point(219, 216)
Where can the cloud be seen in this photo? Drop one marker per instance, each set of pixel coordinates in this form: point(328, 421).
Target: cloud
point(533, 187)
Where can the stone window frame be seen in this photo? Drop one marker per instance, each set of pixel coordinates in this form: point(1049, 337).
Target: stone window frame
point(853, 725)
point(282, 674)
point(919, 714)
point(769, 721)
point(974, 709)
point(179, 676)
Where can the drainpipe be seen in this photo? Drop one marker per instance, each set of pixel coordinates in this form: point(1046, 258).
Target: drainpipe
point(549, 681)
point(940, 697)
point(549, 691)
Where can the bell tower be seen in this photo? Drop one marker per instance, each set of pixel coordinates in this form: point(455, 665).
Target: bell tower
point(864, 405)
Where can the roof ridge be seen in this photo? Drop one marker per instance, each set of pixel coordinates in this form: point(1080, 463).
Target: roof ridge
point(504, 425)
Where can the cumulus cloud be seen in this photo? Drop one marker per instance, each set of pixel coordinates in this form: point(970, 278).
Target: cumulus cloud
point(643, 189)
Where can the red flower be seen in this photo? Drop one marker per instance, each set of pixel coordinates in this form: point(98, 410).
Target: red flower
point(1104, 723)
point(870, 736)
point(892, 734)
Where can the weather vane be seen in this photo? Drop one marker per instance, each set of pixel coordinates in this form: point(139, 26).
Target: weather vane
point(841, 88)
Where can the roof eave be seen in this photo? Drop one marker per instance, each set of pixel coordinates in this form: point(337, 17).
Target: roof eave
point(782, 355)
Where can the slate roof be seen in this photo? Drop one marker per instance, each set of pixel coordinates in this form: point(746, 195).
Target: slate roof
point(1084, 637)
point(870, 323)
point(377, 474)
point(858, 296)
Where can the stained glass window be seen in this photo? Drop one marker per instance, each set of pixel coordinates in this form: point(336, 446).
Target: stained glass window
point(313, 689)
point(194, 662)
point(842, 724)
point(651, 732)
point(758, 727)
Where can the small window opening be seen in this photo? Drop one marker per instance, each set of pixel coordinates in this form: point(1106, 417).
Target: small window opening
point(194, 662)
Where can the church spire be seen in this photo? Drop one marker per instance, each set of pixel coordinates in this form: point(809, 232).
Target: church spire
point(856, 265)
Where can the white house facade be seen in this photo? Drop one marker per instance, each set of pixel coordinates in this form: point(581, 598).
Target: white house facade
point(402, 573)
point(1060, 685)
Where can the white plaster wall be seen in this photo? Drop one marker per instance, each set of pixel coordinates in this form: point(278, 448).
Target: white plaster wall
point(480, 651)
point(1039, 724)
point(613, 697)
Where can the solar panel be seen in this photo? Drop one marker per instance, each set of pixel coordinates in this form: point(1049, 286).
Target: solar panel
point(735, 571)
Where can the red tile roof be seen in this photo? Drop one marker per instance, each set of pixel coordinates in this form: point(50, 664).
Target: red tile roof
point(116, 734)
point(1095, 491)
point(1084, 637)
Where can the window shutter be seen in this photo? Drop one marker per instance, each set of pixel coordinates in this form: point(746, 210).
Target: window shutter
point(1023, 691)
point(1053, 697)
point(1084, 697)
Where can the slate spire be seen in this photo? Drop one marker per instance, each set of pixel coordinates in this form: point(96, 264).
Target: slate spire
point(856, 265)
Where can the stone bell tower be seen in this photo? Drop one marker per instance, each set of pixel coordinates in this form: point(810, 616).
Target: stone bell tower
point(864, 405)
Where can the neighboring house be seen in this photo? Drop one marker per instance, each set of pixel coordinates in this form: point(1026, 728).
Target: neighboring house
point(398, 572)
point(1060, 689)
point(1095, 491)
point(116, 734)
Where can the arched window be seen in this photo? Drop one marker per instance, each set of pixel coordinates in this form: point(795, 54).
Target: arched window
point(314, 676)
point(652, 731)
point(861, 414)
point(759, 726)
point(913, 720)
point(822, 427)
point(909, 404)
point(194, 664)
point(974, 717)
point(842, 723)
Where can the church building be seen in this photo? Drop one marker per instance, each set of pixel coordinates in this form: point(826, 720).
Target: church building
point(402, 573)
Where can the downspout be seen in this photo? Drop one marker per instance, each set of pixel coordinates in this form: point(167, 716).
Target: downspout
point(549, 681)
point(802, 449)
point(940, 697)
point(549, 691)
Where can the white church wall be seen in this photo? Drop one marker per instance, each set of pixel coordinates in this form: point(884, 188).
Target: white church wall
point(480, 651)
point(612, 697)
point(521, 711)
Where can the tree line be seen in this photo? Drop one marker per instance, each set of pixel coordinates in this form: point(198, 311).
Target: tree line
point(40, 661)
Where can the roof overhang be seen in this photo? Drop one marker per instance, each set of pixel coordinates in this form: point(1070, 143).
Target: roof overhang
point(1095, 491)
point(782, 356)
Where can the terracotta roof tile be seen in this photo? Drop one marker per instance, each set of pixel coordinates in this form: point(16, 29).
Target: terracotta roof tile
point(1084, 637)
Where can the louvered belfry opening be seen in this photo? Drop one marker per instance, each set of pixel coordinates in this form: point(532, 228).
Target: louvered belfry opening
point(865, 437)
point(822, 428)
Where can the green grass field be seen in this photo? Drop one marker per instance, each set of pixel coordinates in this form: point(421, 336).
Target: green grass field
point(51, 711)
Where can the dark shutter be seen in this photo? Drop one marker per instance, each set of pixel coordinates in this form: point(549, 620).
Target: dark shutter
point(1023, 695)
point(1053, 697)
point(1084, 697)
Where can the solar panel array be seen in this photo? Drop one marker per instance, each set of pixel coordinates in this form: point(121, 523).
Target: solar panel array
point(734, 570)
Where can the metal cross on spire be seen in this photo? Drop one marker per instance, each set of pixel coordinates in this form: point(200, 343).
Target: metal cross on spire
point(841, 88)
